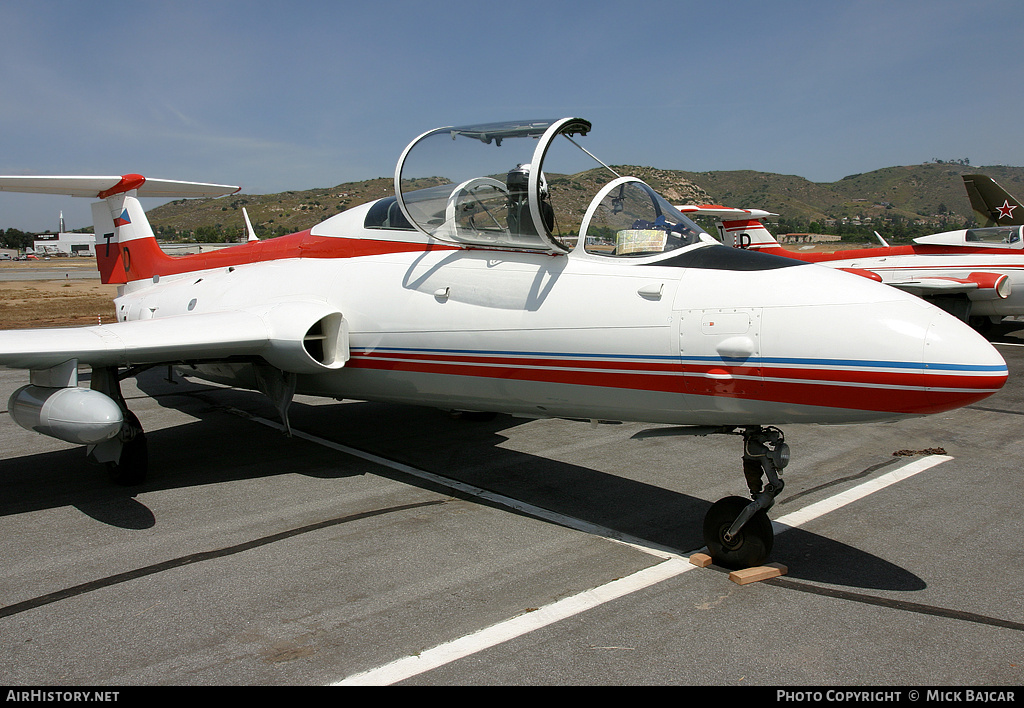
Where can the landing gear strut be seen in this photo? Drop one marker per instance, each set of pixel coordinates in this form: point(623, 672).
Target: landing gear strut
point(126, 455)
point(738, 532)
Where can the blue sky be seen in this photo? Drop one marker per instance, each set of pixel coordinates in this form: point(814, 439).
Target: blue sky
point(275, 96)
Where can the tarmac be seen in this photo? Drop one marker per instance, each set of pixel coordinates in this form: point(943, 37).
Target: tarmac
point(384, 544)
point(49, 269)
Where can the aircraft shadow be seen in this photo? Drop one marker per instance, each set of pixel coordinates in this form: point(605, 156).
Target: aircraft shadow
point(470, 451)
point(67, 478)
point(657, 515)
point(64, 478)
point(192, 454)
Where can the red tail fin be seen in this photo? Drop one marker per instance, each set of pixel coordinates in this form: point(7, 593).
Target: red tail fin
point(126, 248)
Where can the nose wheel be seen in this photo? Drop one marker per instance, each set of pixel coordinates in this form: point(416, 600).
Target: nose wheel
point(737, 531)
point(749, 546)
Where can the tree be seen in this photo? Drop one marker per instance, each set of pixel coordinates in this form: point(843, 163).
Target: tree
point(14, 238)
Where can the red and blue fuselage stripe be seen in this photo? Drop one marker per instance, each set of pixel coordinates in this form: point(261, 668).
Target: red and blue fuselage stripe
point(899, 387)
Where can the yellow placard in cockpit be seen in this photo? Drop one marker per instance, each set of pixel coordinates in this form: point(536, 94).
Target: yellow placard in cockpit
point(640, 241)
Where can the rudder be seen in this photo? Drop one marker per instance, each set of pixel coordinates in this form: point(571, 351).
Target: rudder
point(746, 233)
point(992, 204)
point(126, 248)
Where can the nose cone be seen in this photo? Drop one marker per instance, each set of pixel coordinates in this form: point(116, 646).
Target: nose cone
point(880, 355)
point(961, 366)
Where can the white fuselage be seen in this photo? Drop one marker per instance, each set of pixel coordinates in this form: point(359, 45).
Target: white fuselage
point(604, 338)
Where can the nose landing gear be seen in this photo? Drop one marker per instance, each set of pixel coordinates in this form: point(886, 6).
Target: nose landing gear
point(737, 531)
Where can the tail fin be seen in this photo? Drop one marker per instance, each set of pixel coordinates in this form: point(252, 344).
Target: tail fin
point(747, 233)
point(992, 204)
point(126, 248)
point(740, 228)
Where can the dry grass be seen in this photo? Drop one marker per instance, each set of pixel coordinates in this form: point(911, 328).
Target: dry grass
point(29, 303)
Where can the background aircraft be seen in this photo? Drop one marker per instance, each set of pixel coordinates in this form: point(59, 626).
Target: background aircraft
point(976, 274)
point(490, 289)
point(992, 204)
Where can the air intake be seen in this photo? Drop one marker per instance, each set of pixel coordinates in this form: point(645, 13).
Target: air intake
point(324, 341)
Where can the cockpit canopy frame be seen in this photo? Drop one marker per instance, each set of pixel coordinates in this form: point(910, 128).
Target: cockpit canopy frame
point(983, 237)
point(486, 186)
point(496, 200)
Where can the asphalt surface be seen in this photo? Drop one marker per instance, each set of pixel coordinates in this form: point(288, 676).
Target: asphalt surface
point(57, 269)
point(250, 557)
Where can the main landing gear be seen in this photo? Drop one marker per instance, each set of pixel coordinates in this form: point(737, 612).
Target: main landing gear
point(737, 531)
point(126, 455)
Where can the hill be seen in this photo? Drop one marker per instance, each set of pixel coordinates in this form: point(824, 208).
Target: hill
point(271, 214)
point(931, 192)
point(931, 195)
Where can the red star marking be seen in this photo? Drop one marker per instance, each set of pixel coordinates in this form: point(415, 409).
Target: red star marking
point(1006, 210)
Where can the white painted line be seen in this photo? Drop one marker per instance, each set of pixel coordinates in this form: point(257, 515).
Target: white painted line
point(813, 511)
point(517, 626)
point(488, 637)
point(674, 563)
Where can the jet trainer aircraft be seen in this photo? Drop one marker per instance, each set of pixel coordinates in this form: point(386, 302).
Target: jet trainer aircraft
point(976, 274)
point(500, 287)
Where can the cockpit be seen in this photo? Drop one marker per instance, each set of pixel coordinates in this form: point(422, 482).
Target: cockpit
point(990, 237)
point(528, 185)
point(1005, 236)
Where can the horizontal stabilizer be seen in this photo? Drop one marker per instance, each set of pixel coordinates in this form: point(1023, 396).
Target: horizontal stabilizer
point(103, 187)
point(723, 212)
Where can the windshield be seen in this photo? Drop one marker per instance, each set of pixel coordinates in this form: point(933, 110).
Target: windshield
point(628, 218)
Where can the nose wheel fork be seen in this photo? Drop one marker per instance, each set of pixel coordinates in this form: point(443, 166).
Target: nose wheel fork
point(737, 531)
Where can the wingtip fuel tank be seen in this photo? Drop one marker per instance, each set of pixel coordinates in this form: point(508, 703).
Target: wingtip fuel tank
point(76, 415)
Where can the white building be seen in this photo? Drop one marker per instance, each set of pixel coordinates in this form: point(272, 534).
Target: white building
point(65, 244)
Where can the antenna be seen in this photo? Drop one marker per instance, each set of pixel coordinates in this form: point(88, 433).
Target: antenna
point(248, 226)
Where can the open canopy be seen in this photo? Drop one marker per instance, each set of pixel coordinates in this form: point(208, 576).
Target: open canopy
point(508, 186)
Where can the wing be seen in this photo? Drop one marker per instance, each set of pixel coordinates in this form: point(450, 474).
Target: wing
point(977, 286)
point(296, 337)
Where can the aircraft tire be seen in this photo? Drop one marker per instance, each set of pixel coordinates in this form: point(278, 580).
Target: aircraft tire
point(983, 325)
point(752, 544)
point(133, 466)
